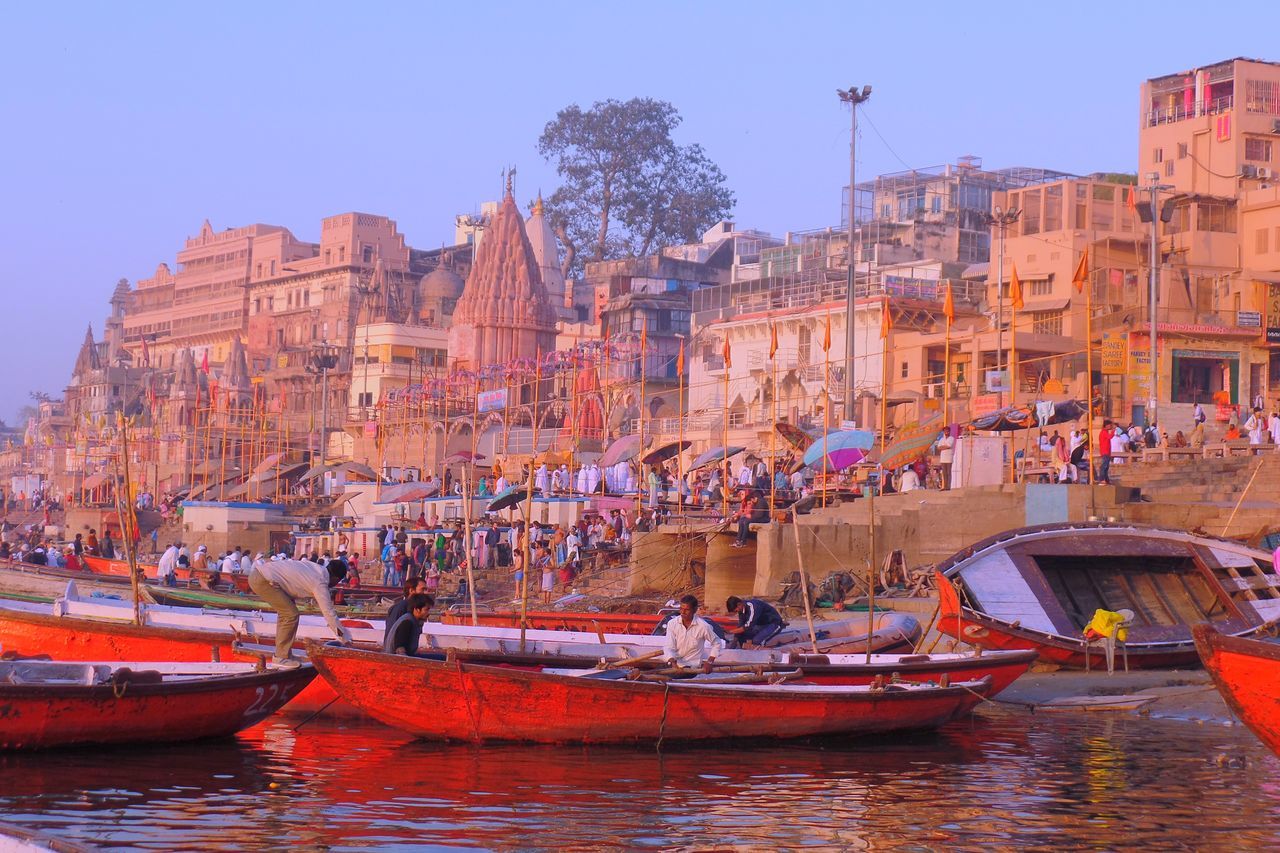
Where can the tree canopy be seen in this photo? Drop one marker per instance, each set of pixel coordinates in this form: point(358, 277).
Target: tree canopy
point(628, 188)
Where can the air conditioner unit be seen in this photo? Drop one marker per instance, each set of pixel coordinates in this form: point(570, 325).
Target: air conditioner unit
point(1275, 125)
point(1248, 171)
point(1264, 172)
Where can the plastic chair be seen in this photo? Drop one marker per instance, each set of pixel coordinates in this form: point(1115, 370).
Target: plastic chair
point(1109, 645)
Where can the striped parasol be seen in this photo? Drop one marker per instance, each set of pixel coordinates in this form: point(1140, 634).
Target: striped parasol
point(838, 450)
point(911, 442)
point(793, 435)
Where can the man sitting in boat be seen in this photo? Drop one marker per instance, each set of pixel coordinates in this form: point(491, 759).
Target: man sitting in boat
point(686, 636)
point(413, 586)
point(402, 637)
point(280, 583)
point(758, 621)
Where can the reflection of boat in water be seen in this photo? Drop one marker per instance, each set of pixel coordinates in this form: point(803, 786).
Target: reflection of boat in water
point(1247, 674)
point(1038, 587)
point(450, 700)
point(59, 703)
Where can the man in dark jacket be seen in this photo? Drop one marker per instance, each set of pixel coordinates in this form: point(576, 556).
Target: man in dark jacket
point(402, 636)
point(758, 621)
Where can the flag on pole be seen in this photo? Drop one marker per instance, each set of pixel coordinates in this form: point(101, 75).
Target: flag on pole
point(680, 360)
point(728, 355)
point(773, 339)
point(1015, 289)
point(949, 306)
point(1081, 276)
point(886, 321)
point(1131, 200)
point(826, 335)
point(204, 363)
point(146, 353)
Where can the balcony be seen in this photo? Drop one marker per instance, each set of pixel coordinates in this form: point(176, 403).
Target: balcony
point(1182, 112)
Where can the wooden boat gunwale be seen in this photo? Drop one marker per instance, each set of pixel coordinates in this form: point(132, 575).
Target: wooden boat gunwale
point(1211, 644)
point(949, 569)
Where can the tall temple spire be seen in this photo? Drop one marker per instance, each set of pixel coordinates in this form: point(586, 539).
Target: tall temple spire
point(504, 312)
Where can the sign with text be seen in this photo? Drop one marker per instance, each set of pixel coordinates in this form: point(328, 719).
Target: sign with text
point(1115, 353)
point(997, 380)
point(1250, 319)
point(491, 401)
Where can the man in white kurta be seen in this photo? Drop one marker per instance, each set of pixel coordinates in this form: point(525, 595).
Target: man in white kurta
point(687, 636)
point(166, 569)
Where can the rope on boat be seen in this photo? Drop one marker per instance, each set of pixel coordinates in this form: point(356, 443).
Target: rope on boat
point(466, 696)
point(662, 726)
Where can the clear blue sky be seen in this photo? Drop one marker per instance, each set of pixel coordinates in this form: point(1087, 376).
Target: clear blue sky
point(127, 124)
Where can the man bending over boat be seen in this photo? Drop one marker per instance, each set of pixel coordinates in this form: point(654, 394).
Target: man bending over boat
point(402, 637)
point(758, 621)
point(686, 636)
point(280, 583)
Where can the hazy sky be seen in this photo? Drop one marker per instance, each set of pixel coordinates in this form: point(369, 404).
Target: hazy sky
point(125, 125)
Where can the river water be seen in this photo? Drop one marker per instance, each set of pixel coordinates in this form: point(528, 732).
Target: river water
point(1002, 779)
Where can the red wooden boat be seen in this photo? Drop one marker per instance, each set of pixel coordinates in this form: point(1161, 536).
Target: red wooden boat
point(456, 701)
point(56, 703)
point(555, 620)
point(70, 638)
point(1247, 673)
point(1038, 587)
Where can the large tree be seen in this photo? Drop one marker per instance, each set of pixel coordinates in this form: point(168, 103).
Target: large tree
point(628, 188)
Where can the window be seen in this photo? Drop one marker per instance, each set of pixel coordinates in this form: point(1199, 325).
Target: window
point(328, 256)
point(279, 337)
point(1216, 217)
point(290, 298)
point(1053, 208)
point(1168, 169)
point(935, 204)
point(910, 202)
point(273, 267)
point(365, 399)
point(1157, 155)
point(805, 345)
point(1257, 149)
point(1031, 212)
point(259, 270)
point(306, 297)
point(1046, 322)
point(342, 254)
point(1182, 150)
point(905, 369)
point(366, 254)
point(1040, 287)
point(1260, 239)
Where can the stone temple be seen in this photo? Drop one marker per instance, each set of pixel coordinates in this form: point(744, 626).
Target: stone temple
point(505, 312)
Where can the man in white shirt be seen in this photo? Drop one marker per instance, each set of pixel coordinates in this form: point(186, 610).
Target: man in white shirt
point(280, 583)
point(946, 451)
point(687, 634)
point(167, 568)
point(910, 480)
point(744, 476)
point(231, 563)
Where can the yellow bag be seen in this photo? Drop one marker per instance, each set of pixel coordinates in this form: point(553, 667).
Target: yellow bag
point(1106, 623)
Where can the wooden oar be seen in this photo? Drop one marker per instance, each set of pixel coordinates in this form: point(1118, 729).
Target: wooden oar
point(634, 660)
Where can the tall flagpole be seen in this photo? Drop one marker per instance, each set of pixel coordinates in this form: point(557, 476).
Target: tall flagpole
point(1015, 301)
point(773, 433)
point(640, 481)
point(826, 413)
point(680, 429)
point(528, 526)
point(1082, 282)
point(949, 311)
point(724, 433)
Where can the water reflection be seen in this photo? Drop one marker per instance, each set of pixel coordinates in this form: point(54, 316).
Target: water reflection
point(1006, 780)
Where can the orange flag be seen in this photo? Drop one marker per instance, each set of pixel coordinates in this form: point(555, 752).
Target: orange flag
point(826, 336)
point(1081, 276)
point(886, 322)
point(773, 339)
point(949, 306)
point(1131, 200)
point(644, 335)
point(680, 360)
point(1015, 289)
point(728, 355)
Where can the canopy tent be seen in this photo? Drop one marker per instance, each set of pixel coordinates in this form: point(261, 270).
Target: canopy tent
point(714, 455)
point(1029, 416)
point(623, 449)
point(662, 453)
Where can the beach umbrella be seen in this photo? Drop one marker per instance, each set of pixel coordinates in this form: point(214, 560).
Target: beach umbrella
point(268, 463)
point(408, 492)
point(670, 450)
point(622, 450)
point(508, 497)
point(840, 449)
point(359, 469)
point(463, 456)
point(911, 442)
point(714, 455)
point(793, 435)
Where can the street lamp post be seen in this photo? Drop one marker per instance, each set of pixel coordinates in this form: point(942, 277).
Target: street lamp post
point(324, 358)
point(852, 97)
point(1002, 219)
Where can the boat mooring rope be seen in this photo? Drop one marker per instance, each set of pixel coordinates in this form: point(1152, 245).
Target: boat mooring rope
point(662, 726)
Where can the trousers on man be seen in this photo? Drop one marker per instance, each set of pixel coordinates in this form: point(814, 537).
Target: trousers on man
point(286, 610)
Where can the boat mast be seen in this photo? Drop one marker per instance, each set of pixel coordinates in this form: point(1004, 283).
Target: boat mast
point(128, 520)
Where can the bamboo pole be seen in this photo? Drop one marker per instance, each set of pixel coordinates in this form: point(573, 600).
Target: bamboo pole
point(724, 440)
point(804, 585)
point(128, 521)
point(773, 444)
point(643, 478)
point(528, 514)
point(871, 501)
point(1088, 382)
point(680, 436)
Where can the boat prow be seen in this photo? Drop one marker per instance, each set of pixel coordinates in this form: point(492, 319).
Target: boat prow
point(1247, 674)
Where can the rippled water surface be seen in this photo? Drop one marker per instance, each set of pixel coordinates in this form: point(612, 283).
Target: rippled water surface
point(1008, 780)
